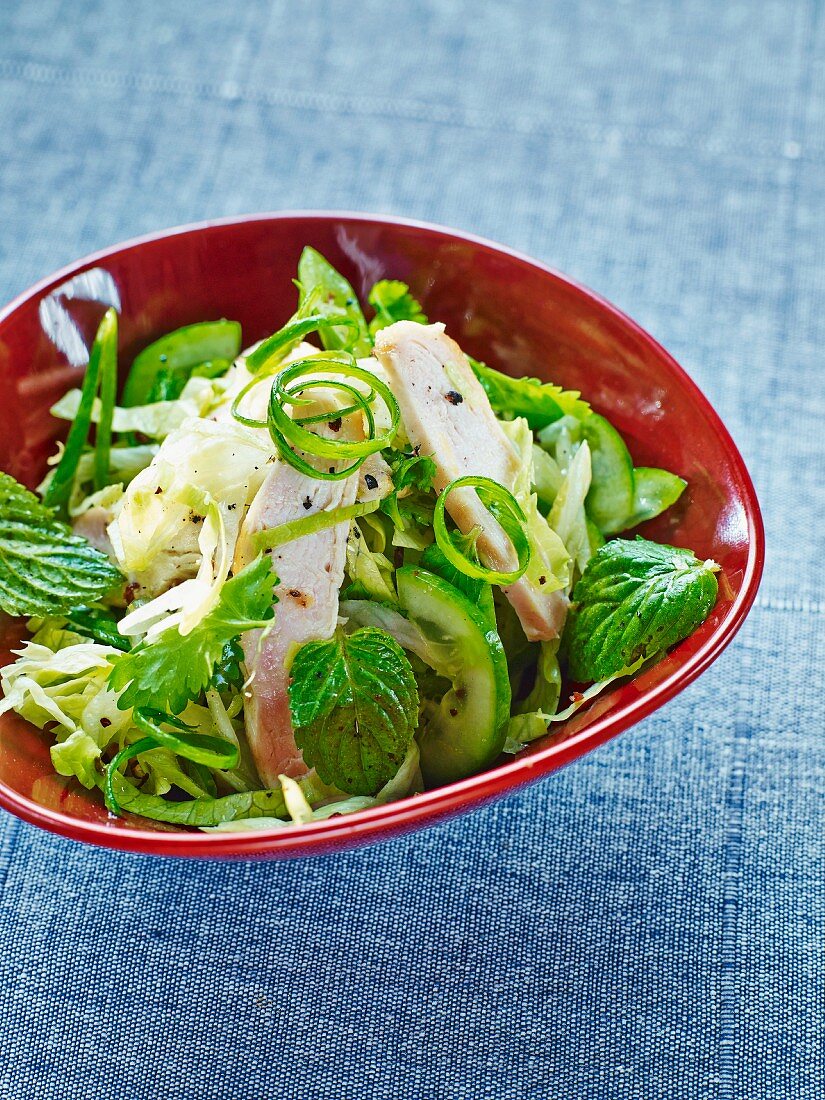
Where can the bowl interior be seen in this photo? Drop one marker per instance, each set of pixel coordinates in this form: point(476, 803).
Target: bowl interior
point(505, 309)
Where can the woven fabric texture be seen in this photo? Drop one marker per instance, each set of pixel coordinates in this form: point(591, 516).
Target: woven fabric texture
point(647, 924)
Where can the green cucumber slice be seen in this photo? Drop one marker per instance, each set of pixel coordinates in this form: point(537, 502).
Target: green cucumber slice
point(478, 592)
point(654, 491)
point(464, 732)
point(610, 499)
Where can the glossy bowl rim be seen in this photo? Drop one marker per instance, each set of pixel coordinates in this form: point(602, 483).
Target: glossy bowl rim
point(432, 806)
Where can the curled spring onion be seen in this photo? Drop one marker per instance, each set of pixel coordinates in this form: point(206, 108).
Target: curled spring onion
point(294, 440)
point(272, 537)
point(213, 752)
point(275, 347)
point(128, 752)
point(107, 335)
point(504, 508)
point(104, 347)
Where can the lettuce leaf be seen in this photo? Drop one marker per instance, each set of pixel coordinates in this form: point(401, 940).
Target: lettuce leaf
point(370, 573)
point(567, 517)
point(550, 562)
point(202, 461)
point(66, 688)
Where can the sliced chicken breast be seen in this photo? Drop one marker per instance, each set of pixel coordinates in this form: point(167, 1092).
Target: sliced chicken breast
point(310, 573)
point(448, 415)
point(92, 525)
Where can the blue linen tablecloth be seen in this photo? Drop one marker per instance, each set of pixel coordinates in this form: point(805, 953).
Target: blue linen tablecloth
point(648, 923)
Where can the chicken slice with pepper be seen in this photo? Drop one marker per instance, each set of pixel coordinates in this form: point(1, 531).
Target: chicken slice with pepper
point(448, 415)
point(310, 572)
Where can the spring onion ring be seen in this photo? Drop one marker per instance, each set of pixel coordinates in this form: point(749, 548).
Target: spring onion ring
point(505, 509)
point(275, 347)
point(128, 752)
point(214, 752)
point(293, 440)
point(272, 537)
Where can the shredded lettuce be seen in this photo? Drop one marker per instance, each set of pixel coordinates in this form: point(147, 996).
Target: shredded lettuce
point(567, 517)
point(523, 728)
point(156, 420)
point(549, 558)
point(370, 572)
point(66, 688)
point(561, 439)
point(179, 520)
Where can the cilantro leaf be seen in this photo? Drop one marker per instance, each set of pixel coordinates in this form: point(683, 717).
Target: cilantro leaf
point(540, 403)
point(228, 673)
point(331, 294)
point(393, 302)
point(170, 670)
point(635, 599)
point(412, 478)
point(354, 706)
point(45, 568)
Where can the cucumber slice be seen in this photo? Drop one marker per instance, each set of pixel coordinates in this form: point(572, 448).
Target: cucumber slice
point(464, 733)
point(594, 536)
point(478, 592)
point(181, 350)
point(610, 500)
point(654, 491)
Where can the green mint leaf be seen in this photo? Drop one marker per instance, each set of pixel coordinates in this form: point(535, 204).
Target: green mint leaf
point(393, 302)
point(354, 706)
point(330, 293)
point(170, 670)
point(635, 599)
point(540, 403)
point(45, 568)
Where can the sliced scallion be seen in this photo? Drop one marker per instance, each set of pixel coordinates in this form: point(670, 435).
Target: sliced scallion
point(272, 537)
point(214, 752)
point(107, 335)
point(294, 440)
point(505, 509)
point(271, 351)
point(60, 483)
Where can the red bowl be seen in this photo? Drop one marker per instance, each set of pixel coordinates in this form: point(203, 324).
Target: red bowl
point(503, 307)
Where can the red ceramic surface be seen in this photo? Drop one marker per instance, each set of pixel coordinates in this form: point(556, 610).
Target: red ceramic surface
point(505, 308)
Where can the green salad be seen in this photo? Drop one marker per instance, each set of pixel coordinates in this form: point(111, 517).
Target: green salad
point(342, 567)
